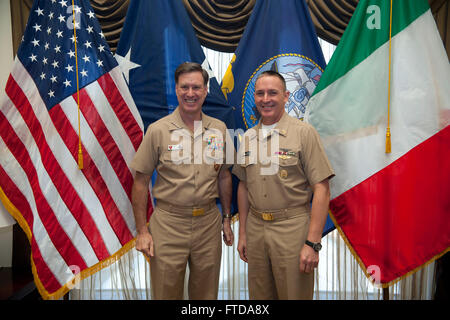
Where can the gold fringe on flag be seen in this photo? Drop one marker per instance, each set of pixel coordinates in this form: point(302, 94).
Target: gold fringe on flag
point(18, 216)
point(363, 267)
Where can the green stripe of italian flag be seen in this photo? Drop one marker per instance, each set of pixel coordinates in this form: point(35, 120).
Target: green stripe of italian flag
point(392, 208)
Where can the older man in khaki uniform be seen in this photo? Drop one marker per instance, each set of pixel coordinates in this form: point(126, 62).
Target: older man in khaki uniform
point(189, 158)
point(280, 238)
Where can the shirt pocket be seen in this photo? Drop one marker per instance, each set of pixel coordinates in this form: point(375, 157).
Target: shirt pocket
point(174, 158)
point(211, 164)
point(288, 169)
point(174, 167)
point(288, 162)
point(250, 172)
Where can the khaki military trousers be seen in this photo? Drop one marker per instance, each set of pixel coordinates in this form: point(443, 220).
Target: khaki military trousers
point(180, 238)
point(273, 252)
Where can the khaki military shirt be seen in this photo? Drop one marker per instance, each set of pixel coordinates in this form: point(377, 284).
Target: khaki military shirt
point(302, 162)
point(187, 163)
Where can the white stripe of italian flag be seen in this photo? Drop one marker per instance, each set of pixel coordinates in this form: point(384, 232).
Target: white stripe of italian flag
point(393, 209)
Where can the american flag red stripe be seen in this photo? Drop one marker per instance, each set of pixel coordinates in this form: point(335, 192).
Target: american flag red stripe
point(74, 218)
point(22, 205)
point(93, 148)
point(117, 103)
point(92, 174)
point(15, 190)
point(56, 173)
point(57, 235)
point(102, 133)
point(14, 194)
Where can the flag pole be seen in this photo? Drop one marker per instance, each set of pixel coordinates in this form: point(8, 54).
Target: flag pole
point(388, 129)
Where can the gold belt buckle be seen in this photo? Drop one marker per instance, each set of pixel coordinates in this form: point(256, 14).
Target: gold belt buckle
point(198, 212)
point(267, 216)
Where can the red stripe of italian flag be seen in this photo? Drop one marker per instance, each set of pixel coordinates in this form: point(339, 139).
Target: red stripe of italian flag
point(393, 209)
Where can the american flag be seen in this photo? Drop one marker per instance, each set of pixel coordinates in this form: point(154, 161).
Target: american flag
point(76, 220)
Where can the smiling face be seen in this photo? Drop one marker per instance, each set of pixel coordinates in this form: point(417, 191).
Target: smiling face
point(270, 98)
point(191, 92)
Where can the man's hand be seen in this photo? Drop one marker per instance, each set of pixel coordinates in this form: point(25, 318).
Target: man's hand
point(242, 247)
point(144, 243)
point(243, 207)
point(228, 237)
point(139, 196)
point(309, 259)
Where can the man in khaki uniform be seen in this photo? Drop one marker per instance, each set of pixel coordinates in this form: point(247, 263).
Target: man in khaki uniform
point(185, 227)
point(280, 238)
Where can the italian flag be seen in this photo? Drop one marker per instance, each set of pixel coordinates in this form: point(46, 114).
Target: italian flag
point(392, 208)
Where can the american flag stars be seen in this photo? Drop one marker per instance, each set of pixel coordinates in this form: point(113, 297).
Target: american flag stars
point(49, 49)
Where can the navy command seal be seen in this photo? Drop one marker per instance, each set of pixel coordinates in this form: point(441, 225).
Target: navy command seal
point(280, 231)
point(186, 148)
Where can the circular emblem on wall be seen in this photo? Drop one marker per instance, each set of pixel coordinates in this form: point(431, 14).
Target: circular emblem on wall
point(301, 75)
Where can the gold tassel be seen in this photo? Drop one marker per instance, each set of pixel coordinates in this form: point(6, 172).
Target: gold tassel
point(80, 150)
point(80, 158)
point(388, 129)
point(388, 140)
